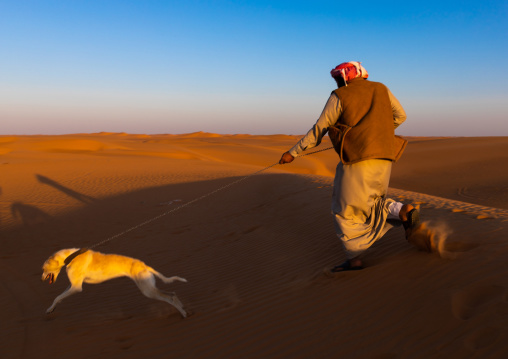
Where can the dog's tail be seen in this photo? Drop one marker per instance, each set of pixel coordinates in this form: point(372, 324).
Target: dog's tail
point(166, 279)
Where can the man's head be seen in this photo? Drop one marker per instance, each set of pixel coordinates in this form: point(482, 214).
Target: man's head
point(347, 71)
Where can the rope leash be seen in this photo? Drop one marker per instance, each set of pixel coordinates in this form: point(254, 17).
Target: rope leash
point(311, 153)
point(191, 202)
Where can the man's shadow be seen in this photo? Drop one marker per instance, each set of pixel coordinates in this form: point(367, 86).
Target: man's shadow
point(30, 215)
point(80, 197)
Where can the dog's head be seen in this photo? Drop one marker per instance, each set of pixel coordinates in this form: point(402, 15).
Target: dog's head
point(50, 270)
point(52, 266)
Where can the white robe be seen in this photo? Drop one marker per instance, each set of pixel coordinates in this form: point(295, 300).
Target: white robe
point(359, 204)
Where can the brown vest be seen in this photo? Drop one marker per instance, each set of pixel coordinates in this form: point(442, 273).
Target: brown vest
point(365, 129)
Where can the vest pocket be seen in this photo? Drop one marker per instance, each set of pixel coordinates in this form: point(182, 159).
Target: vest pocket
point(399, 147)
point(337, 133)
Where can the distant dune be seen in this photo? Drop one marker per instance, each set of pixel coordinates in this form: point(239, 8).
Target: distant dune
point(253, 252)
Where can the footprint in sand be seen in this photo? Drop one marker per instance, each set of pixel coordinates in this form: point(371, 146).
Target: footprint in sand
point(251, 229)
point(124, 342)
point(181, 230)
point(473, 301)
point(229, 298)
point(482, 338)
point(484, 216)
point(468, 302)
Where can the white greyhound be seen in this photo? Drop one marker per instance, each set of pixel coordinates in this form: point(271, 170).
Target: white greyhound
point(94, 267)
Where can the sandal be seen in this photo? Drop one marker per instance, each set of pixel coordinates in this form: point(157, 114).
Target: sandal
point(346, 266)
point(413, 221)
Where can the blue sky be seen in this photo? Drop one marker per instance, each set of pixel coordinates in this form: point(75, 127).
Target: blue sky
point(258, 67)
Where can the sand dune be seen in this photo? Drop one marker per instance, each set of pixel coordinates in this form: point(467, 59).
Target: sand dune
point(253, 252)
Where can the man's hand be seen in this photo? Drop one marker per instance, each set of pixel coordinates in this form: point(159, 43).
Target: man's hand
point(286, 158)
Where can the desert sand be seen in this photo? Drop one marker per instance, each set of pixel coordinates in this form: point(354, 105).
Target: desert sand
point(253, 252)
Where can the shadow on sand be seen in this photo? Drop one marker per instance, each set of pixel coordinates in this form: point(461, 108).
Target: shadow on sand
point(29, 215)
point(71, 193)
point(253, 256)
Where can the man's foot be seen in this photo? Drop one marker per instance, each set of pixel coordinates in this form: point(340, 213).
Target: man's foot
point(353, 264)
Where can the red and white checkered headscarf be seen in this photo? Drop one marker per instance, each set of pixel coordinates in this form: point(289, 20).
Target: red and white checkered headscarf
point(350, 70)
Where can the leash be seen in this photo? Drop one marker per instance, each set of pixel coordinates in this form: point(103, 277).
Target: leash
point(74, 255)
point(311, 153)
point(82, 250)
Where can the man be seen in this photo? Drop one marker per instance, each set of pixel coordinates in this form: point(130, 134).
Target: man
point(360, 117)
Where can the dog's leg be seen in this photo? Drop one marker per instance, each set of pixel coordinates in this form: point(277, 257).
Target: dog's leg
point(146, 284)
point(166, 279)
point(69, 291)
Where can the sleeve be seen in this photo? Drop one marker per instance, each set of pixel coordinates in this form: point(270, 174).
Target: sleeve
point(399, 115)
point(329, 117)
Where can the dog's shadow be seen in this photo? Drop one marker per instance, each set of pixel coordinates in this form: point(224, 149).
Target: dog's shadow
point(115, 300)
